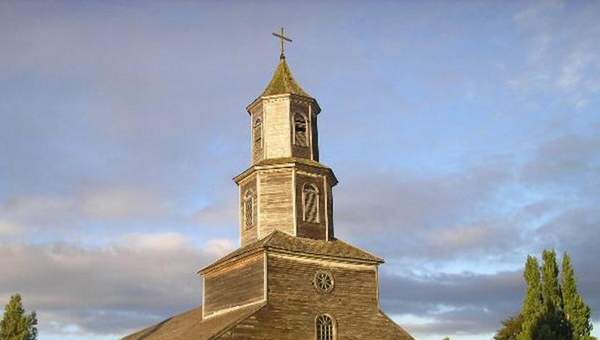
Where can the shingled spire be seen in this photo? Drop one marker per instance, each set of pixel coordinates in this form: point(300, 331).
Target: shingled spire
point(283, 82)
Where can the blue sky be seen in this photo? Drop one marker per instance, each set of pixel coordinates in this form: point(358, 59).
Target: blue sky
point(465, 136)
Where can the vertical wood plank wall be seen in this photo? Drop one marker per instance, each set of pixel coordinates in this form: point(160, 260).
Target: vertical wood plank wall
point(275, 203)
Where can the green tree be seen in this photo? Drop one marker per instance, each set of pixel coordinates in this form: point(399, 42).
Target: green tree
point(550, 286)
point(552, 324)
point(532, 305)
point(510, 328)
point(576, 311)
point(552, 310)
point(15, 324)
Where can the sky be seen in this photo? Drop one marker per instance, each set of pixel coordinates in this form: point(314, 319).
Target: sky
point(464, 134)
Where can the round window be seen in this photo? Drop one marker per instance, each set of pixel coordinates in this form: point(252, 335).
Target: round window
point(323, 281)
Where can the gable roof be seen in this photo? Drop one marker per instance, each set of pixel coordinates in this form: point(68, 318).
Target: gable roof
point(279, 240)
point(190, 325)
point(283, 82)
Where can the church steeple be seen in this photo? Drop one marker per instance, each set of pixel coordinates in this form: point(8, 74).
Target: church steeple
point(285, 188)
point(291, 278)
point(284, 119)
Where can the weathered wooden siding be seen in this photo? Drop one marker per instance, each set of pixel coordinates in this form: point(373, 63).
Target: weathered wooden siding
point(294, 304)
point(248, 235)
point(308, 229)
point(329, 189)
point(257, 150)
point(315, 137)
point(277, 129)
point(234, 285)
point(300, 106)
point(275, 201)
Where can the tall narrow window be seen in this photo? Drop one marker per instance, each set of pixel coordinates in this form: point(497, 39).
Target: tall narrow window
point(249, 209)
point(324, 327)
point(300, 130)
point(257, 132)
point(310, 203)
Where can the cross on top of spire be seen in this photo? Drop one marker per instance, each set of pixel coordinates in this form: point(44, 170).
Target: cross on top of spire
point(283, 39)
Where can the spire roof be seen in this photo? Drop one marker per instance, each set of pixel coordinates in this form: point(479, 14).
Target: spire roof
point(283, 82)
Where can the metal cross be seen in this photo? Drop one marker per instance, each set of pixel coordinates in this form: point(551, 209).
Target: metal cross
point(283, 39)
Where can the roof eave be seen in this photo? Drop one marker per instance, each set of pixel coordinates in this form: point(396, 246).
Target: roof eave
point(316, 110)
point(218, 264)
point(375, 261)
point(285, 163)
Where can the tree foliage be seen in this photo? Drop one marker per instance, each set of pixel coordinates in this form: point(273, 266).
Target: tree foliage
point(532, 306)
point(551, 324)
point(510, 328)
point(15, 324)
point(552, 308)
point(576, 311)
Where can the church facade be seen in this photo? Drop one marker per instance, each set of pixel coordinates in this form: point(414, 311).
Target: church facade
point(291, 278)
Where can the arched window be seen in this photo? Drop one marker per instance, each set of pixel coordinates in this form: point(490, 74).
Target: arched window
point(257, 132)
point(310, 203)
point(324, 327)
point(249, 209)
point(300, 130)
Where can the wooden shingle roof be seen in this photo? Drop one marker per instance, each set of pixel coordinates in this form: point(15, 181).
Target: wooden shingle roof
point(190, 325)
point(279, 240)
point(283, 82)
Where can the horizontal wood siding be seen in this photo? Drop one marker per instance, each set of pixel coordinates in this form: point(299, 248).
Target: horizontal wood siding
point(294, 304)
point(237, 284)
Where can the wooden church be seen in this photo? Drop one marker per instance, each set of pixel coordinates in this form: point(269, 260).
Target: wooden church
point(291, 278)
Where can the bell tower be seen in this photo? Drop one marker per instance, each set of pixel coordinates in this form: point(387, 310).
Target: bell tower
point(285, 188)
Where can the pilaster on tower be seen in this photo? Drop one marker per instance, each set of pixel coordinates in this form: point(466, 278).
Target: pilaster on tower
point(285, 188)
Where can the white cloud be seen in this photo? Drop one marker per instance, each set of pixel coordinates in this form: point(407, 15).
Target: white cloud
point(66, 212)
point(122, 286)
point(9, 228)
point(121, 203)
point(156, 242)
point(219, 246)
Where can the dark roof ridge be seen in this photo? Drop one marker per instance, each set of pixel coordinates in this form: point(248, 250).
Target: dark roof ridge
point(280, 240)
point(370, 257)
point(256, 245)
point(210, 328)
point(238, 320)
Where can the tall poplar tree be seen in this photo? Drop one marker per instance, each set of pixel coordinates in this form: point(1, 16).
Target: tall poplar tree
point(550, 285)
point(552, 310)
point(15, 324)
point(532, 305)
point(552, 324)
point(576, 311)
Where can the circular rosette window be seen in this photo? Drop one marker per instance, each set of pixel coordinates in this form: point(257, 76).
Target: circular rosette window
point(323, 281)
